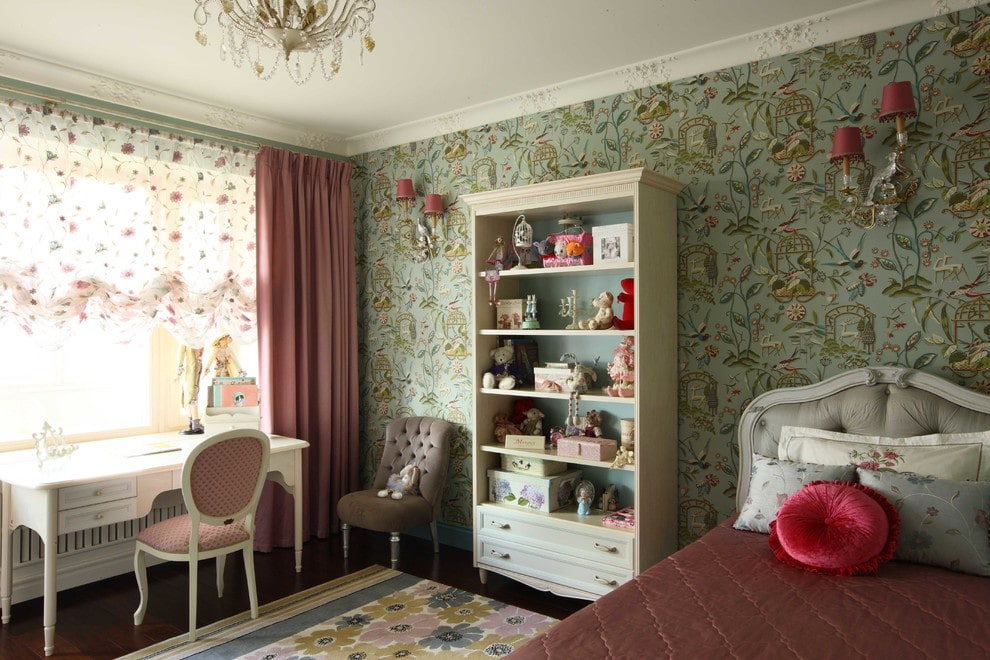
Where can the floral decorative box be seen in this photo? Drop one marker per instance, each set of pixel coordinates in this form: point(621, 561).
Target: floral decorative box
point(533, 492)
point(528, 465)
point(595, 449)
point(550, 379)
point(509, 313)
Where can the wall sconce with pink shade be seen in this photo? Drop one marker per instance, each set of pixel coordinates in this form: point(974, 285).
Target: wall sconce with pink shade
point(427, 230)
point(892, 184)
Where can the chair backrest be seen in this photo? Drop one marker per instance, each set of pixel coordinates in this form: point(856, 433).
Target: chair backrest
point(223, 476)
point(423, 442)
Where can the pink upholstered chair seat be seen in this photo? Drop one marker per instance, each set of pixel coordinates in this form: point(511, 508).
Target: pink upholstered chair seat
point(172, 535)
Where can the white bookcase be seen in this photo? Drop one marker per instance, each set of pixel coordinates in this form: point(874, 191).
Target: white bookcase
point(561, 551)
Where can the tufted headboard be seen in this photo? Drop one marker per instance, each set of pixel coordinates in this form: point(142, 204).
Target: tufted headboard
point(884, 401)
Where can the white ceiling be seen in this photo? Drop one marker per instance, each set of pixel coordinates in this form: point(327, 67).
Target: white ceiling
point(439, 65)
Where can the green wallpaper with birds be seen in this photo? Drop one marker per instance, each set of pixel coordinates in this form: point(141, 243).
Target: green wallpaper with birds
point(779, 285)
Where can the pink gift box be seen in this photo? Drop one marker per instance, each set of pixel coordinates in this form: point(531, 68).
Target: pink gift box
point(595, 449)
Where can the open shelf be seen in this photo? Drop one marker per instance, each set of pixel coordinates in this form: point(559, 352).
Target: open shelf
point(537, 394)
point(551, 455)
point(569, 271)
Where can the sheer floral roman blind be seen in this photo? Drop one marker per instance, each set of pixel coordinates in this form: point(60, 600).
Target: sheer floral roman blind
point(127, 226)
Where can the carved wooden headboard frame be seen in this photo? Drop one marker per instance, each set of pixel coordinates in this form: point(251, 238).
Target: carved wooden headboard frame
point(882, 401)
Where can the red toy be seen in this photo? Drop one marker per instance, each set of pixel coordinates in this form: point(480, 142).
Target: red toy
point(626, 321)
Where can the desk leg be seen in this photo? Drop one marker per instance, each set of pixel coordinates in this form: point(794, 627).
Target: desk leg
point(6, 561)
point(51, 551)
point(298, 510)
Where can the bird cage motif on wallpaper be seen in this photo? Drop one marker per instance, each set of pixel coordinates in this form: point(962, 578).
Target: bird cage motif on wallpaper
point(485, 173)
point(968, 325)
point(794, 129)
point(697, 135)
point(455, 335)
point(697, 517)
point(545, 159)
point(852, 325)
point(381, 288)
point(455, 224)
point(405, 330)
point(381, 189)
point(381, 375)
point(794, 269)
point(698, 391)
point(699, 263)
point(975, 193)
point(793, 379)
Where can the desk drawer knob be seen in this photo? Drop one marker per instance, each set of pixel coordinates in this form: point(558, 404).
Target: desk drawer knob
point(499, 525)
point(99, 493)
point(605, 548)
point(99, 516)
point(607, 583)
point(500, 555)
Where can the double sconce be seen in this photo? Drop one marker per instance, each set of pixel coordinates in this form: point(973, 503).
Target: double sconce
point(427, 242)
point(890, 185)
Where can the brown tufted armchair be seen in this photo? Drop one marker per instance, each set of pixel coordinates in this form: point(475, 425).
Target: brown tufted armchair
point(424, 442)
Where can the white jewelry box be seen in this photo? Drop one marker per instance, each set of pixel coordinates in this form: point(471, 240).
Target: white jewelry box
point(614, 243)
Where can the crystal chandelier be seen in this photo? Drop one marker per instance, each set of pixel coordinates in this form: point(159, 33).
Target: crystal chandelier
point(299, 33)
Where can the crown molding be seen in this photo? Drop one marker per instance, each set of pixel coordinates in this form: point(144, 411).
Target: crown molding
point(838, 25)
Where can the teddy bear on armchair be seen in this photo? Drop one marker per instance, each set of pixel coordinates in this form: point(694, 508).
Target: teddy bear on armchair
point(405, 482)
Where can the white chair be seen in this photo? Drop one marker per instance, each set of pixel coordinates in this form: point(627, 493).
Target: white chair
point(222, 480)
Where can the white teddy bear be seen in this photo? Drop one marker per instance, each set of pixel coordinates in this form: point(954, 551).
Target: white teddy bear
point(406, 482)
point(603, 317)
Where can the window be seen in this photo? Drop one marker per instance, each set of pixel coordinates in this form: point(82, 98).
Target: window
point(92, 387)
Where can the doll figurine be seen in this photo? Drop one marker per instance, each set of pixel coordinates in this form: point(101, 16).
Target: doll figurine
point(189, 370)
point(222, 360)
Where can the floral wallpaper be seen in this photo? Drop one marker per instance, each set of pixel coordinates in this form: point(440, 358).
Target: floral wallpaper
point(778, 285)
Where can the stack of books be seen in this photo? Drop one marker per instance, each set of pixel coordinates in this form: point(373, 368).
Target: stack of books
point(234, 392)
point(625, 518)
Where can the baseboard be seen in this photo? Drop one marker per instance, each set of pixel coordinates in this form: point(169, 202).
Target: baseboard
point(453, 535)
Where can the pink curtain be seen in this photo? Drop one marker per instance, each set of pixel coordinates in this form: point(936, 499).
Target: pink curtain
point(307, 334)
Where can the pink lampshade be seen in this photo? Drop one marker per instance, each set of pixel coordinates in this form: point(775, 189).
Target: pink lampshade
point(897, 99)
point(434, 204)
point(404, 190)
point(847, 143)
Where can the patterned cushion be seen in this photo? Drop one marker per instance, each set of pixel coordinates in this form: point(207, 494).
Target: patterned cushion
point(789, 433)
point(772, 481)
point(172, 535)
point(943, 522)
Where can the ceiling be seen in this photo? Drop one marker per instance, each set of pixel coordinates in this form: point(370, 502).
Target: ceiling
point(439, 65)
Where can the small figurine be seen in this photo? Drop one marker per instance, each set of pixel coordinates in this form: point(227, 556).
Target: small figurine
point(585, 495)
point(609, 500)
point(188, 373)
point(623, 457)
point(593, 424)
point(627, 320)
point(621, 370)
point(529, 316)
point(533, 424)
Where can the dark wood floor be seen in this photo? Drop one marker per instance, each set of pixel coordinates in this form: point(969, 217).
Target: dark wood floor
point(95, 621)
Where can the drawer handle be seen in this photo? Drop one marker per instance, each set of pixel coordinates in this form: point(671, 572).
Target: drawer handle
point(499, 525)
point(607, 583)
point(501, 555)
point(99, 493)
point(99, 516)
point(605, 548)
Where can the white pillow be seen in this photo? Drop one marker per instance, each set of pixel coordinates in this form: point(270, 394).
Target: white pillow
point(772, 481)
point(959, 462)
point(982, 437)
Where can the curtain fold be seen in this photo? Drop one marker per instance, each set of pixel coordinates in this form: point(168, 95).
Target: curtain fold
point(307, 333)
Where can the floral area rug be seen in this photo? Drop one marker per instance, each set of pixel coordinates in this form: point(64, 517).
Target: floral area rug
point(374, 613)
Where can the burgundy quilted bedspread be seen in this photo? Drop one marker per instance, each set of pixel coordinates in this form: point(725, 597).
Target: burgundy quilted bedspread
point(726, 595)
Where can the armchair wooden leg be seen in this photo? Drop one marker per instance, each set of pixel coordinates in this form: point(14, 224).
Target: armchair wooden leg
point(345, 531)
point(395, 549)
point(436, 537)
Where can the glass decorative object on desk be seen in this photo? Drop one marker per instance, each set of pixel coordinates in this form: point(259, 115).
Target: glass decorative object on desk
point(50, 446)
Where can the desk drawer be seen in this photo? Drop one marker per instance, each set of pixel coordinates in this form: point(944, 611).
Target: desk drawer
point(105, 513)
point(94, 493)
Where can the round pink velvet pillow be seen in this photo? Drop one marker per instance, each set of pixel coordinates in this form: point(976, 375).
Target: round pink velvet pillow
point(835, 528)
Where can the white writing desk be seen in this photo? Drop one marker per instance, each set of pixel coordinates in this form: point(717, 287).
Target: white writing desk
point(103, 483)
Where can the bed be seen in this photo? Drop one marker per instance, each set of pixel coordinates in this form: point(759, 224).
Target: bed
point(727, 595)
